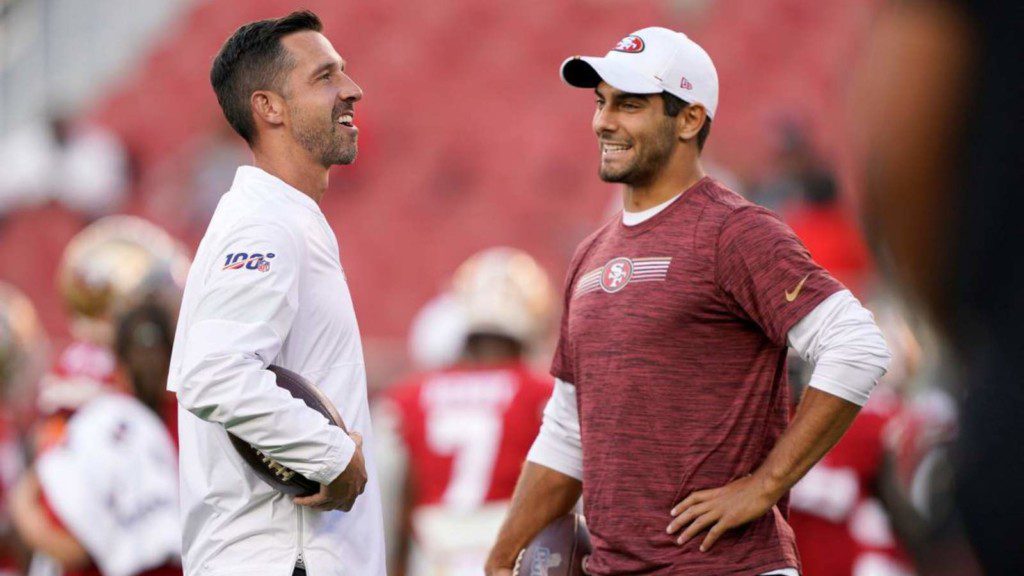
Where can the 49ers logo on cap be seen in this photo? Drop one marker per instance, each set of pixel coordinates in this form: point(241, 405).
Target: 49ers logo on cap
point(616, 274)
point(630, 44)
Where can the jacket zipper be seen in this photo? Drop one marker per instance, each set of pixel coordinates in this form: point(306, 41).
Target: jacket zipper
point(299, 562)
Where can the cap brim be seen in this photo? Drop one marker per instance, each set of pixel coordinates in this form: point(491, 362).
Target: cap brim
point(589, 71)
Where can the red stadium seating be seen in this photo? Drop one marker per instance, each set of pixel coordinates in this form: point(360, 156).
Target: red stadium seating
point(469, 139)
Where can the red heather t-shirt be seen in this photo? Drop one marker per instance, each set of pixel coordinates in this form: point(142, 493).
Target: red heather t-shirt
point(674, 334)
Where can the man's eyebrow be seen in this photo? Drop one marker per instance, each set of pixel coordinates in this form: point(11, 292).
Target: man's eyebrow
point(326, 66)
point(630, 96)
point(620, 96)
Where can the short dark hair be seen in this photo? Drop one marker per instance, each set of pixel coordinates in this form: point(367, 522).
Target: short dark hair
point(674, 105)
point(252, 59)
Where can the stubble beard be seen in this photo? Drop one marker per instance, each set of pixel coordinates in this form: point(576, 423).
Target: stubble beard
point(325, 143)
point(647, 165)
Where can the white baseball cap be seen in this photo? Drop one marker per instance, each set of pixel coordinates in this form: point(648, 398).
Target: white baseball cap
point(651, 61)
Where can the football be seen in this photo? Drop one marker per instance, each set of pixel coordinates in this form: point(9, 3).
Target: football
point(558, 550)
point(273, 473)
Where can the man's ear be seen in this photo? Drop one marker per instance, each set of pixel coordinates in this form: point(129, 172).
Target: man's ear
point(268, 107)
point(690, 120)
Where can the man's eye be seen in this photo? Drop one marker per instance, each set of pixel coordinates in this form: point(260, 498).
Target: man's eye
point(325, 76)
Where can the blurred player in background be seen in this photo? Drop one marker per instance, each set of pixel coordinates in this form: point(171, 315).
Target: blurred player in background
point(670, 409)
point(838, 511)
point(108, 268)
point(22, 351)
point(100, 498)
point(143, 343)
point(464, 430)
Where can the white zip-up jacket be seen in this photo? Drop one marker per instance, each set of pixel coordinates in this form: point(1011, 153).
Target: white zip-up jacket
point(267, 287)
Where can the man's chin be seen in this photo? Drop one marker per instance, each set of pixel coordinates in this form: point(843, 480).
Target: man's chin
point(618, 177)
point(344, 158)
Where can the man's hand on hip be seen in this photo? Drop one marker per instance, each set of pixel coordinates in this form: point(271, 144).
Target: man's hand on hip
point(341, 494)
point(721, 509)
point(819, 423)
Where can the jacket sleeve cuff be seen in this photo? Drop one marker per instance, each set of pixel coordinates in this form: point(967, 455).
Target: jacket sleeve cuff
point(339, 454)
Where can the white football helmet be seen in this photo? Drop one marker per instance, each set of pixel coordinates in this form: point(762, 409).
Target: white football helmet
point(505, 292)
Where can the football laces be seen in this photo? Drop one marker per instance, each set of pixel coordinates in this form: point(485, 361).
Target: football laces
point(282, 472)
point(519, 562)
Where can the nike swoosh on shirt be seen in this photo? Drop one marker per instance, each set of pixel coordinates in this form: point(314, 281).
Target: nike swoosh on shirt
point(790, 296)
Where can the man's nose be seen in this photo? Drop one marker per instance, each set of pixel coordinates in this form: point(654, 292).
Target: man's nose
point(603, 121)
point(350, 91)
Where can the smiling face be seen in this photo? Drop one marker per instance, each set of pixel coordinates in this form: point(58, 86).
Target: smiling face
point(321, 98)
point(635, 136)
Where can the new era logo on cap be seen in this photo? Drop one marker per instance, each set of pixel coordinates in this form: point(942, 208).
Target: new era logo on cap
point(630, 45)
point(651, 61)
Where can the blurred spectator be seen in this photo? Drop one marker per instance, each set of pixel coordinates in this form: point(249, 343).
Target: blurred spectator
point(829, 231)
point(77, 164)
point(214, 162)
point(455, 437)
point(795, 161)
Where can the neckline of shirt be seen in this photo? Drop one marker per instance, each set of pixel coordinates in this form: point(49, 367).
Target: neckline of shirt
point(633, 218)
point(643, 221)
point(248, 175)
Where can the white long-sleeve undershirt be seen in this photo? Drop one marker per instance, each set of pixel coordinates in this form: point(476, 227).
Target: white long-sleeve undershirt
point(839, 337)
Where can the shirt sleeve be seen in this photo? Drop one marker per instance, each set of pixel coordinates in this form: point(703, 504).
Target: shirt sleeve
point(562, 364)
point(767, 273)
point(559, 445)
point(237, 328)
point(840, 338)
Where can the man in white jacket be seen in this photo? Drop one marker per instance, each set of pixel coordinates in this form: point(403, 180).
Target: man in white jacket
point(267, 287)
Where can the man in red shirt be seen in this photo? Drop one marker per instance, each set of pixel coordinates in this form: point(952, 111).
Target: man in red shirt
point(463, 431)
point(670, 411)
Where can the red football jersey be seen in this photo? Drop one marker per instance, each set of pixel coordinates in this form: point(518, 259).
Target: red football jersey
point(840, 525)
point(468, 430)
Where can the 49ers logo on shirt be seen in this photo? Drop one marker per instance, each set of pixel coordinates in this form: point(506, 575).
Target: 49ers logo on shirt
point(619, 272)
point(630, 45)
point(616, 274)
